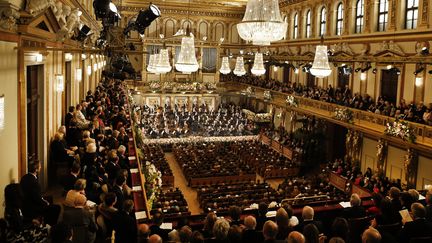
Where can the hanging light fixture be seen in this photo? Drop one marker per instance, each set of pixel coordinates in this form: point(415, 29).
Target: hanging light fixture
point(187, 62)
point(262, 22)
point(95, 67)
point(89, 70)
point(225, 68)
point(258, 68)
point(239, 67)
point(151, 64)
point(320, 67)
point(163, 65)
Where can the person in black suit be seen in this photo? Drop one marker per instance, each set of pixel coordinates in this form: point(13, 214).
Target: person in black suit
point(155, 228)
point(308, 218)
point(117, 188)
point(420, 227)
point(69, 180)
point(270, 231)
point(34, 205)
point(356, 210)
point(124, 223)
point(429, 205)
point(249, 233)
point(68, 119)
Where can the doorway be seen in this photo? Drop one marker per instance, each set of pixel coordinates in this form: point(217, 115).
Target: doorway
point(34, 78)
point(389, 85)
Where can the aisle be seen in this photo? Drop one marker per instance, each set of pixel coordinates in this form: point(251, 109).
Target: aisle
point(180, 182)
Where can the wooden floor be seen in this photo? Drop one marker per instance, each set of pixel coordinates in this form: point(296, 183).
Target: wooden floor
point(180, 181)
point(189, 193)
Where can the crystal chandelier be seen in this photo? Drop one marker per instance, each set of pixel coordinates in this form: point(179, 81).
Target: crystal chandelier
point(258, 68)
point(225, 68)
point(150, 66)
point(163, 65)
point(187, 62)
point(262, 22)
point(239, 67)
point(320, 67)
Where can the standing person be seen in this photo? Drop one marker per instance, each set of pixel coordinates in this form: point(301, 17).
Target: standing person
point(34, 205)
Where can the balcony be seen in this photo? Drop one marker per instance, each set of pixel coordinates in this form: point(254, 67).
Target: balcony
point(366, 122)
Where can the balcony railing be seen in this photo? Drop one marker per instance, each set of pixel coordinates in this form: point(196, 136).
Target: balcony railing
point(362, 118)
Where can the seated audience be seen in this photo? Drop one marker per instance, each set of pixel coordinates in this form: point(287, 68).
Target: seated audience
point(296, 237)
point(419, 227)
point(356, 210)
point(308, 218)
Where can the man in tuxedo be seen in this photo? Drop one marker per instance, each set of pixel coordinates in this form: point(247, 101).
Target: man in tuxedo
point(419, 227)
point(124, 223)
point(308, 218)
point(356, 210)
point(34, 205)
point(70, 179)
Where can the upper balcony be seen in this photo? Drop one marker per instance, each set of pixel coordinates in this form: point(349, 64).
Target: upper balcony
point(367, 122)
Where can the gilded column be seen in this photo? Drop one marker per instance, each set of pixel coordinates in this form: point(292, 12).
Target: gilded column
point(392, 15)
point(424, 14)
point(410, 168)
point(368, 6)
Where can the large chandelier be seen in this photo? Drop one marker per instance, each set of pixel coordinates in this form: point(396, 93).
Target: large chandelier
point(151, 64)
point(320, 67)
point(239, 67)
point(187, 62)
point(225, 68)
point(163, 65)
point(262, 22)
point(258, 68)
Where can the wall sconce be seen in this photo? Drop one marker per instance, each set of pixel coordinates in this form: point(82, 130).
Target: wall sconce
point(95, 67)
point(89, 70)
point(78, 74)
point(363, 76)
point(83, 56)
point(60, 82)
point(2, 112)
point(38, 57)
point(68, 56)
point(91, 56)
point(419, 81)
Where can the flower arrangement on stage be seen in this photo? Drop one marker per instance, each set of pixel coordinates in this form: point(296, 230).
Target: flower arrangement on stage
point(344, 114)
point(267, 95)
point(198, 139)
point(400, 129)
point(292, 101)
point(153, 182)
point(248, 92)
point(155, 85)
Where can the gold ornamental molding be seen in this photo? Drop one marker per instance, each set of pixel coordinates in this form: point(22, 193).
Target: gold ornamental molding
point(193, 12)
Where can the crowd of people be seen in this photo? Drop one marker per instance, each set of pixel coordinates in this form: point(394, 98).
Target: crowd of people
point(211, 160)
point(419, 112)
point(97, 187)
point(199, 120)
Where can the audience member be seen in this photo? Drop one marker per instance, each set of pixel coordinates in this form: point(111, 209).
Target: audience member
point(124, 223)
point(371, 235)
point(296, 237)
point(61, 233)
point(419, 227)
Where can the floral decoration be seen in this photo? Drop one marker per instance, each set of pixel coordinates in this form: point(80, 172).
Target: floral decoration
point(292, 101)
point(344, 114)
point(267, 95)
point(400, 129)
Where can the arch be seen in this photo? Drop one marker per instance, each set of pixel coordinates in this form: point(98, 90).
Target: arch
point(203, 29)
point(295, 26)
point(234, 36)
point(169, 27)
point(308, 24)
point(359, 16)
point(322, 18)
point(219, 31)
point(339, 18)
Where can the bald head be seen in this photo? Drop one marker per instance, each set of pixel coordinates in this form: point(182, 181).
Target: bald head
point(250, 222)
point(308, 213)
point(155, 239)
point(371, 235)
point(143, 229)
point(296, 237)
point(270, 230)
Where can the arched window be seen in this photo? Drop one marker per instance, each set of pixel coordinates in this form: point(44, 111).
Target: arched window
point(339, 19)
point(308, 24)
point(382, 15)
point(411, 14)
point(359, 16)
point(295, 34)
point(323, 22)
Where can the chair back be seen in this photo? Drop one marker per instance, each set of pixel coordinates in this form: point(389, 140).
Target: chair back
point(357, 226)
point(421, 240)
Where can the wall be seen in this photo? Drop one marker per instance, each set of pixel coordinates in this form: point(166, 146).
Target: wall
point(424, 175)
point(368, 154)
point(9, 135)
